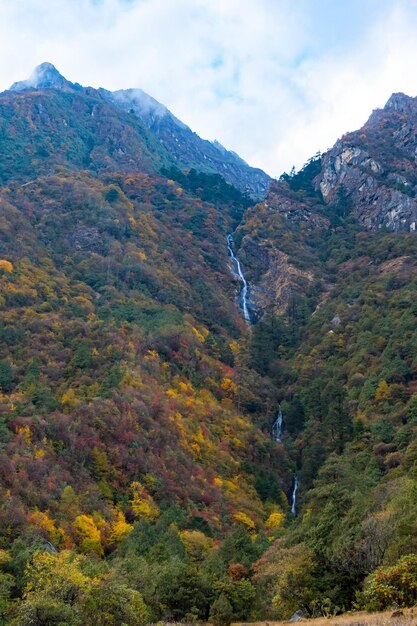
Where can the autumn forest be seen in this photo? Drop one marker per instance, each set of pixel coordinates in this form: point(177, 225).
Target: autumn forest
point(141, 476)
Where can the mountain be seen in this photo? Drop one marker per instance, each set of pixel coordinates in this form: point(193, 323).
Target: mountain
point(168, 141)
point(331, 262)
point(369, 177)
point(44, 76)
point(188, 148)
point(49, 124)
point(134, 439)
point(160, 457)
point(375, 169)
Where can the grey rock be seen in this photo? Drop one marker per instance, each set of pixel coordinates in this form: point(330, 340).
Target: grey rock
point(371, 169)
point(187, 147)
point(86, 239)
point(297, 616)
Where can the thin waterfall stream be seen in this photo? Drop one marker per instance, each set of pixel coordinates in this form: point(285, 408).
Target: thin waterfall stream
point(243, 303)
point(294, 497)
point(238, 272)
point(276, 436)
point(277, 427)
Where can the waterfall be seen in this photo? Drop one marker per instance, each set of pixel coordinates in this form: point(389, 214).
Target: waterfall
point(294, 497)
point(238, 272)
point(277, 427)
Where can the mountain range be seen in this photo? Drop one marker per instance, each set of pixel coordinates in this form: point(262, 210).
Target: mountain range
point(160, 457)
point(172, 143)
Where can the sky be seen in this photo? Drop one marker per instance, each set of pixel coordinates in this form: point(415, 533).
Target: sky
point(274, 80)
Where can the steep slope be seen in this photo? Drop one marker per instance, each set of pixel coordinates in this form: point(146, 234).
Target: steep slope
point(96, 135)
point(47, 128)
point(135, 454)
point(139, 466)
point(348, 396)
point(109, 269)
point(188, 149)
point(343, 358)
point(375, 170)
point(368, 178)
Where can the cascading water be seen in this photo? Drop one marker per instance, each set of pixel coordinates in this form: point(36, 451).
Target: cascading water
point(277, 427)
point(238, 272)
point(294, 497)
point(276, 436)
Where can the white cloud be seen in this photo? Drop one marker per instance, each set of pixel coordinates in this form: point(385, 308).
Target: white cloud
point(273, 80)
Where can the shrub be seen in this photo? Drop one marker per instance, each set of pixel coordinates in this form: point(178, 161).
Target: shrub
point(393, 585)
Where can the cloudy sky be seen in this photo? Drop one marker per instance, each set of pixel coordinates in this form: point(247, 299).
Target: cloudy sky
point(274, 80)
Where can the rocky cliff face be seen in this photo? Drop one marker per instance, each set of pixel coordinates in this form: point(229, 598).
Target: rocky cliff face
point(369, 177)
point(279, 281)
point(294, 209)
point(270, 249)
point(374, 170)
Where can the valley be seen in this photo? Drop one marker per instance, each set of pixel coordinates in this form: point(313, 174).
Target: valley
point(208, 405)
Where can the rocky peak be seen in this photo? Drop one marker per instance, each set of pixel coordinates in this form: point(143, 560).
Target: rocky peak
point(373, 171)
point(44, 76)
point(400, 102)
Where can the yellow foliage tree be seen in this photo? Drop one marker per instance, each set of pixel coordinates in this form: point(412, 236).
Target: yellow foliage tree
point(229, 387)
point(382, 391)
point(142, 503)
point(196, 544)
point(199, 335)
point(275, 520)
point(69, 400)
point(24, 432)
point(57, 574)
point(5, 558)
point(101, 463)
point(87, 534)
point(57, 591)
point(41, 520)
point(246, 520)
point(120, 528)
point(6, 266)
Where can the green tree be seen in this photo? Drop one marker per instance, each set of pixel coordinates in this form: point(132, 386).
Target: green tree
point(111, 602)
point(6, 377)
point(221, 611)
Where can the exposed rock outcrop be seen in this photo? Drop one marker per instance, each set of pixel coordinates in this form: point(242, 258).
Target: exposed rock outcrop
point(277, 280)
point(373, 171)
point(281, 199)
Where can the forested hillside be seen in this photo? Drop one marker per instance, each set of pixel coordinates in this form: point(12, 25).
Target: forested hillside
point(344, 361)
point(132, 453)
point(141, 477)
